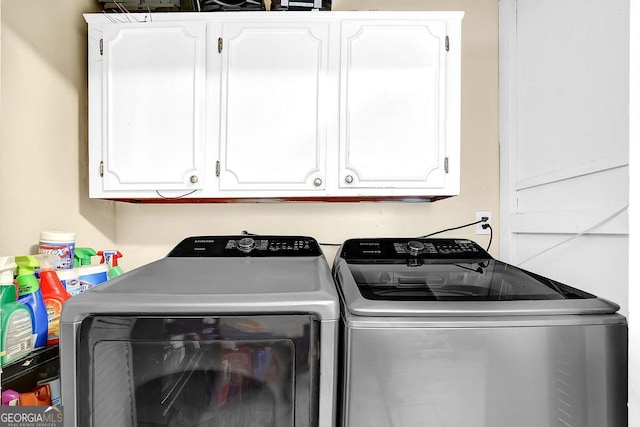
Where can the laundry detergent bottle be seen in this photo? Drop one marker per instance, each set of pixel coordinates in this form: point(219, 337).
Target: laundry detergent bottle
point(15, 320)
point(53, 294)
point(29, 294)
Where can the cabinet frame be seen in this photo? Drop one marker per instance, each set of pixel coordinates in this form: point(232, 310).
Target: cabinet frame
point(209, 187)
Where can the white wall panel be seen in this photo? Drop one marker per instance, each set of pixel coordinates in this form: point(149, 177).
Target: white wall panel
point(595, 263)
point(572, 76)
point(586, 191)
point(564, 141)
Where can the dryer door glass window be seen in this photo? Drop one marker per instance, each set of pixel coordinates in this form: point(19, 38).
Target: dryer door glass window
point(198, 371)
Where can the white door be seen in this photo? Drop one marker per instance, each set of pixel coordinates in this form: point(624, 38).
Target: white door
point(273, 113)
point(564, 141)
point(153, 106)
point(392, 104)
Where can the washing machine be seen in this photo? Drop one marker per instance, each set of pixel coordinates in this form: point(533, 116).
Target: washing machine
point(436, 332)
point(234, 331)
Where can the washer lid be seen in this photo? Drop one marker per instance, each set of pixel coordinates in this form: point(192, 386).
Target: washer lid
point(399, 277)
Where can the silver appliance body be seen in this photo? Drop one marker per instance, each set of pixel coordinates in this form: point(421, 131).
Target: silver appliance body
point(226, 330)
point(437, 333)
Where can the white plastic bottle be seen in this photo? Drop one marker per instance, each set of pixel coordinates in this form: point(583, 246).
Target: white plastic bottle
point(58, 243)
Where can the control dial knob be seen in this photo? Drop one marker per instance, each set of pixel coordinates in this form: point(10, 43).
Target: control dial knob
point(246, 244)
point(415, 247)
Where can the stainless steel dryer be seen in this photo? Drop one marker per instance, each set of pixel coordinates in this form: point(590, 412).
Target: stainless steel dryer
point(438, 333)
point(229, 331)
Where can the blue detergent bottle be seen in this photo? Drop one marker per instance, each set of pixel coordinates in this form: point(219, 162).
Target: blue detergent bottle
point(30, 295)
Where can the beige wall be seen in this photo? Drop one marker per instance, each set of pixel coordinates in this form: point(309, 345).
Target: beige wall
point(43, 149)
point(43, 182)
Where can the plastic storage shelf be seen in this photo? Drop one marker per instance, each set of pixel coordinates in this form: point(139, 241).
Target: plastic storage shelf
point(22, 375)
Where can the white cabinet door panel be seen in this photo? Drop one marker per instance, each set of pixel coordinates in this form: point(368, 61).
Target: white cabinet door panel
point(272, 125)
point(393, 104)
point(153, 106)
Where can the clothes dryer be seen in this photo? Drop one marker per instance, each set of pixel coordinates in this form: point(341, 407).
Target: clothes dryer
point(225, 331)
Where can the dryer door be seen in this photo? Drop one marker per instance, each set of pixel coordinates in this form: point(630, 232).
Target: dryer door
point(193, 371)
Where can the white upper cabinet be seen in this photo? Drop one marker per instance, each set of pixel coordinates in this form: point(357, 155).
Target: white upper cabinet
point(275, 105)
point(392, 104)
point(153, 106)
point(274, 77)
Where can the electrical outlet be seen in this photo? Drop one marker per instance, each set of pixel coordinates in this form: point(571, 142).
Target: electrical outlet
point(479, 216)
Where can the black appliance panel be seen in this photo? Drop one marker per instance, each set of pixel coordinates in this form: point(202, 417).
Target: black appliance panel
point(393, 250)
point(243, 245)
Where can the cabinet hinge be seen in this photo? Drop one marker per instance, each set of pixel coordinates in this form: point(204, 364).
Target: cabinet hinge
point(220, 43)
point(446, 43)
point(446, 165)
point(101, 44)
point(101, 169)
point(217, 167)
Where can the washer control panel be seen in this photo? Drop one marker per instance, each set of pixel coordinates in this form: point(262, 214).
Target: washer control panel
point(254, 246)
point(390, 249)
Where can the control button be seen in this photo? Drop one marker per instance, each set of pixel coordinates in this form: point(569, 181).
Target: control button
point(246, 244)
point(415, 247)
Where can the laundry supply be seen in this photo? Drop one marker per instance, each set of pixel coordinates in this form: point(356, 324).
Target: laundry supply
point(40, 396)
point(53, 294)
point(110, 258)
point(30, 295)
point(89, 275)
point(82, 256)
point(10, 398)
point(61, 244)
point(54, 389)
point(16, 338)
point(70, 280)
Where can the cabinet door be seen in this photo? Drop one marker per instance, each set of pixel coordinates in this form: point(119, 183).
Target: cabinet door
point(273, 118)
point(153, 106)
point(392, 104)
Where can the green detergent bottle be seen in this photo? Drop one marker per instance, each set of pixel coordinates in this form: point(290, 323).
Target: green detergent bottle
point(16, 339)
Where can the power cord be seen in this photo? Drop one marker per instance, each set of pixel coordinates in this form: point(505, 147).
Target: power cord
point(483, 219)
point(484, 227)
point(176, 197)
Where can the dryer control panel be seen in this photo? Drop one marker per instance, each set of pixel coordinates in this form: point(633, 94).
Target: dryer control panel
point(397, 249)
point(247, 245)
